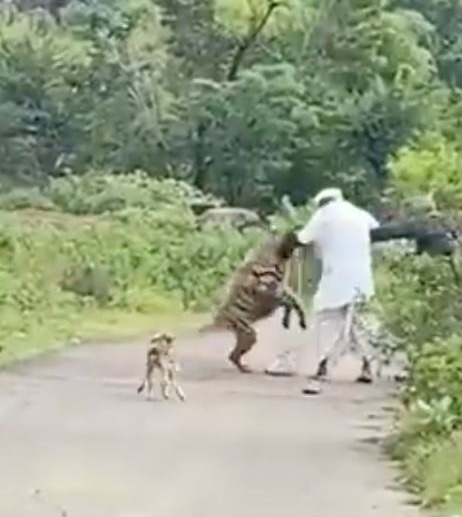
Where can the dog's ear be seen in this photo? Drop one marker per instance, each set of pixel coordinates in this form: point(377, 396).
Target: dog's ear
point(156, 337)
point(162, 336)
point(169, 337)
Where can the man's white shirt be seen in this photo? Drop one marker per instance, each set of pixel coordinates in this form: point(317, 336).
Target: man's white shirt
point(340, 232)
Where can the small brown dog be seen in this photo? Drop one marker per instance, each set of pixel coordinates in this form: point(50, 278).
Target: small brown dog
point(160, 356)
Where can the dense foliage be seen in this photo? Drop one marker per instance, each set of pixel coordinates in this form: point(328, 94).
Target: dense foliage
point(248, 99)
point(140, 253)
point(422, 305)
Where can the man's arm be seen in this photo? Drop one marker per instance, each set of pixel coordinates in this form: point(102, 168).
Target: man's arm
point(309, 233)
point(371, 220)
point(393, 231)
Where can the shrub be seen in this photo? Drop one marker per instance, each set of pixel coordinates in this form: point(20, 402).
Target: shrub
point(432, 164)
point(422, 305)
point(88, 281)
point(134, 249)
point(21, 198)
point(97, 192)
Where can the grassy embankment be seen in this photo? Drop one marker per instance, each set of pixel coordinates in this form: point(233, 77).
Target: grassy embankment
point(105, 258)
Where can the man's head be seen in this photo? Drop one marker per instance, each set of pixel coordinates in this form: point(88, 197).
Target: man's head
point(327, 195)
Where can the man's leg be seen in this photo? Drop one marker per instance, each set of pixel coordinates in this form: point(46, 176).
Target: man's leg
point(360, 341)
point(355, 338)
point(330, 338)
point(330, 343)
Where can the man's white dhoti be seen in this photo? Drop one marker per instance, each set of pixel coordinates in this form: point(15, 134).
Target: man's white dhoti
point(333, 332)
point(339, 331)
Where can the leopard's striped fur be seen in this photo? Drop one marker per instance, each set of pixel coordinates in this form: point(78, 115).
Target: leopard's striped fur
point(257, 290)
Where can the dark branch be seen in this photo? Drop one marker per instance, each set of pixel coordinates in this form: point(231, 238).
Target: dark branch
point(201, 165)
point(432, 239)
point(249, 40)
point(393, 231)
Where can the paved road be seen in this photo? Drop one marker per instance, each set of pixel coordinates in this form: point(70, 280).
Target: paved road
point(74, 433)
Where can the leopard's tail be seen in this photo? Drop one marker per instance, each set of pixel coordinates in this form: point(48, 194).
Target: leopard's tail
point(210, 327)
point(218, 324)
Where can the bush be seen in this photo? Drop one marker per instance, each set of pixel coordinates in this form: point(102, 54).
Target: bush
point(137, 261)
point(97, 192)
point(422, 306)
point(139, 251)
point(88, 281)
point(21, 198)
point(432, 164)
point(420, 298)
point(436, 379)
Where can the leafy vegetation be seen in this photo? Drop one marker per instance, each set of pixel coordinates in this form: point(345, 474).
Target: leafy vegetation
point(421, 304)
point(61, 271)
point(246, 101)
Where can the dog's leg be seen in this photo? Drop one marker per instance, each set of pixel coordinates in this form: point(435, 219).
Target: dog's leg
point(179, 392)
point(165, 383)
point(149, 375)
point(141, 386)
point(149, 392)
point(174, 383)
point(146, 381)
point(165, 389)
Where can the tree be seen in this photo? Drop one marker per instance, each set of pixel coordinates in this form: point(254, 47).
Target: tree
point(249, 99)
point(42, 70)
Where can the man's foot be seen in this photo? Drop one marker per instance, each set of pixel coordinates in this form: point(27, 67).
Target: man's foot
point(366, 373)
point(282, 366)
point(279, 373)
point(401, 377)
point(321, 372)
point(312, 388)
point(364, 379)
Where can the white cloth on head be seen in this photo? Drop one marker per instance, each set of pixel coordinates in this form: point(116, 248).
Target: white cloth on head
point(341, 233)
point(328, 193)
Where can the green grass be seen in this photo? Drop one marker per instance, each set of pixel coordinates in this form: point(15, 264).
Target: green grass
point(432, 469)
point(105, 270)
point(421, 304)
point(92, 325)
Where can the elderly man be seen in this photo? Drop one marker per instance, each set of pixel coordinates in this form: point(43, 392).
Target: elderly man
point(340, 233)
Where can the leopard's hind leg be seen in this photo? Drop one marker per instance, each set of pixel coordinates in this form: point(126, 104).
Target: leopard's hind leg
point(246, 337)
